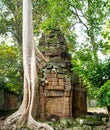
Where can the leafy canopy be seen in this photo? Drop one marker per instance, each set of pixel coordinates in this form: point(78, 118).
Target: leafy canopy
point(10, 68)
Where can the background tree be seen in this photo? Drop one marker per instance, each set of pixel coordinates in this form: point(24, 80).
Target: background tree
point(10, 67)
point(89, 16)
point(11, 19)
point(86, 59)
point(105, 45)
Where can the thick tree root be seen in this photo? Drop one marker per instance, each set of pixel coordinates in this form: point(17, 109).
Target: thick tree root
point(14, 122)
point(13, 118)
point(38, 126)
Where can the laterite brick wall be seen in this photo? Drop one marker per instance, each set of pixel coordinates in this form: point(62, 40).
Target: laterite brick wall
point(55, 95)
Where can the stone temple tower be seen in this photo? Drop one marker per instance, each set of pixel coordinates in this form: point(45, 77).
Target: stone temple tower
point(56, 79)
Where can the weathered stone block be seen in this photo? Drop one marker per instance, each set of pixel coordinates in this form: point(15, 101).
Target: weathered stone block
point(60, 76)
point(66, 99)
point(67, 87)
point(50, 87)
point(67, 79)
point(54, 93)
point(54, 83)
point(52, 79)
point(51, 76)
point(49, 83)
point(61, 80)
point(61, 83)
point(59, 87)
point(67, 93)
point(68, 83)
point(53, 71)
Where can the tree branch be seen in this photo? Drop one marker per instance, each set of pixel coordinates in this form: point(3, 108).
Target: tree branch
point(75, 12)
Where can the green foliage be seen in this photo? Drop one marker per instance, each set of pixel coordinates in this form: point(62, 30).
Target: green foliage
point(104, 94)
point(11, 18)
point(99, 74)
point(105, 45)
point(94, 76)
point(57, 15)
point(10, 68)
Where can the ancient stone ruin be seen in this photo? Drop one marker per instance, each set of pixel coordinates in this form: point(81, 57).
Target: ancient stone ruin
point(9, 100)
point(57, 87)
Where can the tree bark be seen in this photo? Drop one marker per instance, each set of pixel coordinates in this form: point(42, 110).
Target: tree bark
point(32, 61)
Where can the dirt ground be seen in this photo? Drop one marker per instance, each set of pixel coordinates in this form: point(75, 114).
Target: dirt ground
point(98, 110)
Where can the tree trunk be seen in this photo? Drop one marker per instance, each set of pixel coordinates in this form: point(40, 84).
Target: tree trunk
point(32, 60)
